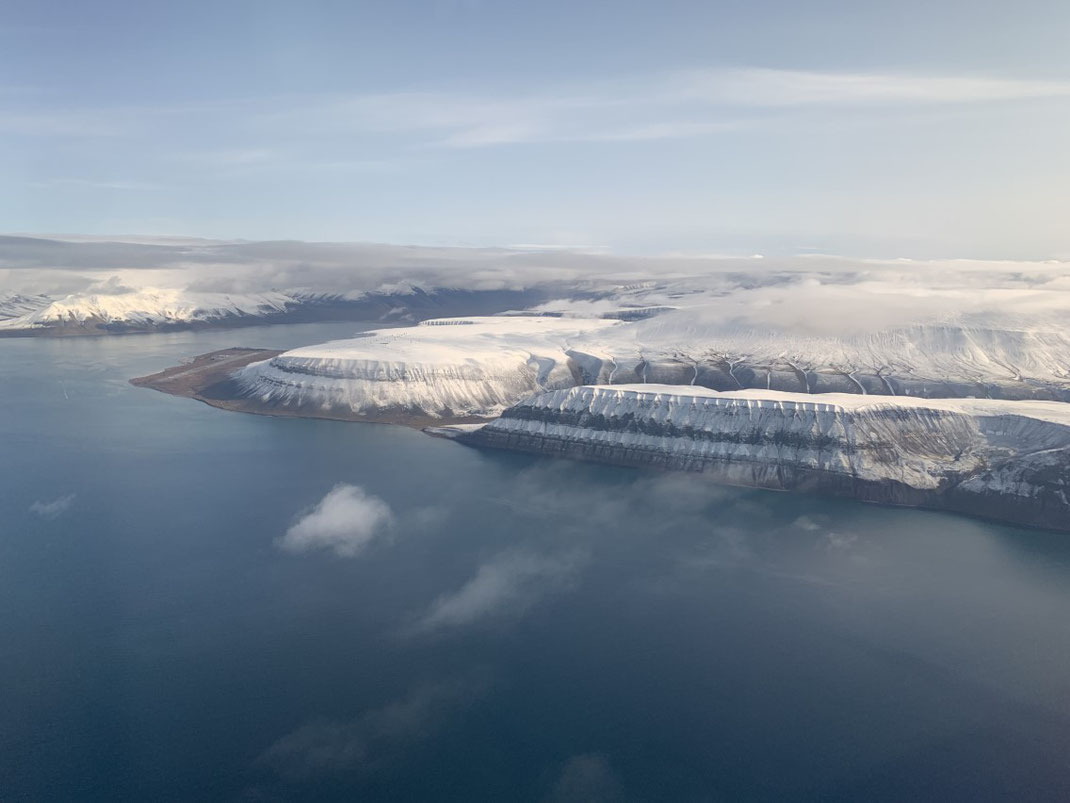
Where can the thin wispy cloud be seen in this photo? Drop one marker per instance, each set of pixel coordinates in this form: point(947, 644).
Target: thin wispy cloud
point(788, 88)
point(503, 587)
point(772, 155)
point(372, 739)
point(667, 105)
point(78, 123)
point(714, 128)
point(52, 509)
point(233, 157)
point(93, 184)
point(242, 161)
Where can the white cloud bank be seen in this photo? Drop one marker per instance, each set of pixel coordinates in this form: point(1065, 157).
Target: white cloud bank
point(345, 522)
point(809, 295)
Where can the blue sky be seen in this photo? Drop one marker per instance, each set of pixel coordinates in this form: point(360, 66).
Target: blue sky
point(882, 129)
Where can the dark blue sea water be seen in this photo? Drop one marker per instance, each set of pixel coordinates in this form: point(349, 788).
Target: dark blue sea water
point(512, 628)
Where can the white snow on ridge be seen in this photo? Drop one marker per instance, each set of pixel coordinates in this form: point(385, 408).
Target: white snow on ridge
point(477, 367)
point(147, 307)
point(455, 367)
point(962, 350)
point(15, 305)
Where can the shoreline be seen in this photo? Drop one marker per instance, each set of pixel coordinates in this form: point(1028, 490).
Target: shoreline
point(207, 378)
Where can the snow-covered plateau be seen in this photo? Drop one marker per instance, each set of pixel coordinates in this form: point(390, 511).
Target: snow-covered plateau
point(998, 357)
point(1008, 460)
point(476, 367)
point(454, 368)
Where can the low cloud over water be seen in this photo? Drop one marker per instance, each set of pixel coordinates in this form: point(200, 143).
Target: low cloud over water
point(345, 522)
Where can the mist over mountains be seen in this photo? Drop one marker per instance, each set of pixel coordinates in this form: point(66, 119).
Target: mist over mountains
point(117, 284)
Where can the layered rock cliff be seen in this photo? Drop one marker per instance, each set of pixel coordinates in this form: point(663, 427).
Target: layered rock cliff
point(1005, 460)
point(455, 369)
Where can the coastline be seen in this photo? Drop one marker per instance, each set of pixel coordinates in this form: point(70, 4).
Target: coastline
point(206, 378)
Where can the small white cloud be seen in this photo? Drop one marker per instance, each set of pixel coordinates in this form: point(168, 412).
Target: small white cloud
point(506, 585)
point(345, 521)
point(53, 509)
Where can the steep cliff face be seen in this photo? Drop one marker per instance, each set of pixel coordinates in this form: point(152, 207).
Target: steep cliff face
point(1007, 460)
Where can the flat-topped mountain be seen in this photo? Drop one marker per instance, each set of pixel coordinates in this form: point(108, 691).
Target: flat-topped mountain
point(1001, 459)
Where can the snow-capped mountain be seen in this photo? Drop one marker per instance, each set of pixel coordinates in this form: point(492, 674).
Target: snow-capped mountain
point(142, 309)
point(155, 308)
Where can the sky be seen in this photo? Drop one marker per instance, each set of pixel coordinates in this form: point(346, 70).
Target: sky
point(906, 129)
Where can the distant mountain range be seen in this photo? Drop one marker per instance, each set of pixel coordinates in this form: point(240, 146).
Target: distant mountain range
point(168, 309)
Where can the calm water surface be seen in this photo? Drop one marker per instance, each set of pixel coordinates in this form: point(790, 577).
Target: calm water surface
point(517, 629)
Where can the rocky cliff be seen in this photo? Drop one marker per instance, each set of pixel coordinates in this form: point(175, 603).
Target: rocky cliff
point(1001, 459)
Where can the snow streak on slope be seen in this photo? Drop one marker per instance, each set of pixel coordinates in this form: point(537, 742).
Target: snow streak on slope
point(449, 367)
